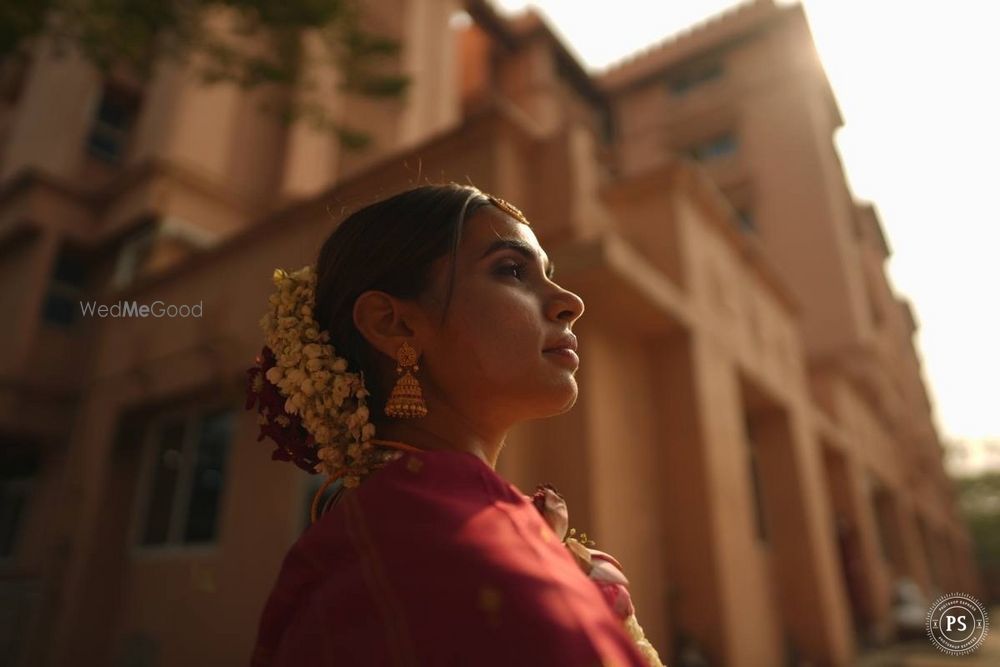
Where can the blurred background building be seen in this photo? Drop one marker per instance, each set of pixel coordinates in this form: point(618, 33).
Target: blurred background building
point(753, 439)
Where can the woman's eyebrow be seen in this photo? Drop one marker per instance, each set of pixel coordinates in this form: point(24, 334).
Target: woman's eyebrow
point(522, 247)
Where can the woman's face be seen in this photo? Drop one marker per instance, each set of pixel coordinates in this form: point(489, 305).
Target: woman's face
point(505, 312)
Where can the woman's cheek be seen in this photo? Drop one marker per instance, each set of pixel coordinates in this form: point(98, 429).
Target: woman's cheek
point(505, 348)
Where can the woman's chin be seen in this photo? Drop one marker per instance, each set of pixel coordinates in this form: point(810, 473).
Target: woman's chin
point(558, 399)
point(569, 404)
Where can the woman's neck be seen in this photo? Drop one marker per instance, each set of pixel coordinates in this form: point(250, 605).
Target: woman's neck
point(423, 436)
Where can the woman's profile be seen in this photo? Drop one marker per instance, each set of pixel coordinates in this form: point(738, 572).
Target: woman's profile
point(429, 326)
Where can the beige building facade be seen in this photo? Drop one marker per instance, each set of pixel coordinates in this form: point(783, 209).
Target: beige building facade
point(753, 439)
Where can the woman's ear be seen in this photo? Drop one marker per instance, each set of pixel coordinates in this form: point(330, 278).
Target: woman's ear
point(384, 321)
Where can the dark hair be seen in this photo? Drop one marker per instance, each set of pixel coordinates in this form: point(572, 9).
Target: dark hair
point(389, 246)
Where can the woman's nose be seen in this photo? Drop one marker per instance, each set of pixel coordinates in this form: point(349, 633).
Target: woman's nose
point(566, 306)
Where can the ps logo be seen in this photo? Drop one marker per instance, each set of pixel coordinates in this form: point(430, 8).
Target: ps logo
point(957, 624)
point(951, 621)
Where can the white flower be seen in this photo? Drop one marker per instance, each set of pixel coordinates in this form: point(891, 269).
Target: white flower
point(314, 381)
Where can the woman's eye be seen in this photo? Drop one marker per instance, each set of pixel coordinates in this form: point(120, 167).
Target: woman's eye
point(516, 270)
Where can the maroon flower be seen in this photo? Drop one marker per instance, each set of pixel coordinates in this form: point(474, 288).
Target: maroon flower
point(294, 442)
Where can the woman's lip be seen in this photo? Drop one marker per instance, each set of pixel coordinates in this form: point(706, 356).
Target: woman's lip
point(564, 353)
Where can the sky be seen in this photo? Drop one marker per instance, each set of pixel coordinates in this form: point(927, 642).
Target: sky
point(917, 84)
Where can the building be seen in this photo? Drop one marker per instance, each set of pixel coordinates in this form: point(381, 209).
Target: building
point(750, 396)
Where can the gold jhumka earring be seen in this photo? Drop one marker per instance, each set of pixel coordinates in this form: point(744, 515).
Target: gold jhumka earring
point(406, 400)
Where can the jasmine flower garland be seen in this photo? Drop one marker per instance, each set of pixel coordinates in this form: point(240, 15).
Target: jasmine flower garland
point(323, 421)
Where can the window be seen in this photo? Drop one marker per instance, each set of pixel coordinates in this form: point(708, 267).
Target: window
point(681, 84)
point(185, 469)
point(758, 499)
point(133, 252)
point(62, 301)
point(13, 72)
point(113, 123)
point(714, 148)
point(19, 465)
point(13, 501)
point(882, 525)
point(756, 482)
point(882, 508)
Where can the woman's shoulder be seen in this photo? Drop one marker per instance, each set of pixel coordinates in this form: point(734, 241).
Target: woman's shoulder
point(436, 555)
point(434, 506)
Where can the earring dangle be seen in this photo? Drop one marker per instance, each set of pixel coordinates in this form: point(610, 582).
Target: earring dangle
point(407, 399)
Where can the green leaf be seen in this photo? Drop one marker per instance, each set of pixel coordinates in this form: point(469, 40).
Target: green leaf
point(139, 34)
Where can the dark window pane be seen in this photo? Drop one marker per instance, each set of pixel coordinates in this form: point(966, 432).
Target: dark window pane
point(13, 73)
point(112, 124)
point(18, 466)
point(209, 471)
point(18, 462)
point(883, 521)
point(59, 309)
point(166, 469)
point(70, 270)
point(115, 111)
point(756, 483)
point(13, 501)
point(69, 278)
point(106, 144)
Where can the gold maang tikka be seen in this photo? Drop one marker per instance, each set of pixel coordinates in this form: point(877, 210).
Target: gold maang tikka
point(508, 208)
point(406, 400)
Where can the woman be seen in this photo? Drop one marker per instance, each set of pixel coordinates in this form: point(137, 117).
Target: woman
point(432, 320)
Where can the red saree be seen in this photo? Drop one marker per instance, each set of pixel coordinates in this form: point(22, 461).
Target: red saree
point(436, 560)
